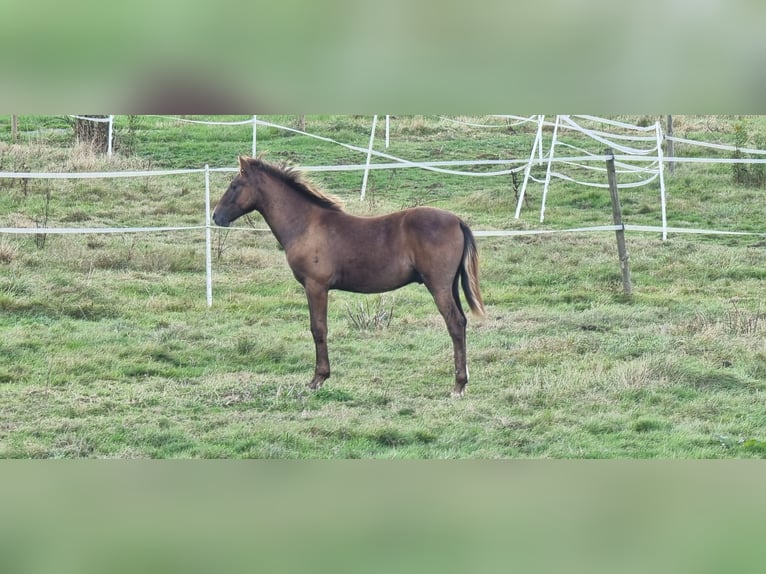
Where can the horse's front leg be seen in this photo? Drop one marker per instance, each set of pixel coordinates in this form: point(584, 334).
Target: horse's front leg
point(317, 297)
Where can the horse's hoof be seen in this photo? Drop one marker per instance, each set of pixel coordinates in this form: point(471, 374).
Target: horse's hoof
point(458, 393)
point(315, 385)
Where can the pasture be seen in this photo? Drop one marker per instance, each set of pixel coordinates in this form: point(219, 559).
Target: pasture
point(108, 349)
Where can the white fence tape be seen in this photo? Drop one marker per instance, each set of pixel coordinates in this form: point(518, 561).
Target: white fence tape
point(204, 122)
point(601, 137)
point(722, 147)
point(476, 232)
point(617, 124)
point(653, 157)
point(92, 230)
point(625, 227)
point(692, 230)
point(516, 232)
point(429, 166)
point(91, 119)
point(94, 174)
point(520, 121)
point(605, 185)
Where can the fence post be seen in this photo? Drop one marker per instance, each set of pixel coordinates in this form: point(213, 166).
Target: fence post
point(617, 217)
point(208, 248)
point(537, 144)
point(255, 123)
point(671, 147)
point(109, 136)
point(548, 172)
point(661, 172)
point(369, 157)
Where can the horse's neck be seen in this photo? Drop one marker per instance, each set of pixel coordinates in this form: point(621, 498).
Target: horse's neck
point(286, 211)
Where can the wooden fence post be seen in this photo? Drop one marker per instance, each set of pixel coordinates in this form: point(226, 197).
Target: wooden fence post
point(617, 217)
point(670, 151)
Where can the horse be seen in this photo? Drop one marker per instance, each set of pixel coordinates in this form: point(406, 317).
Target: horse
point(328, 248)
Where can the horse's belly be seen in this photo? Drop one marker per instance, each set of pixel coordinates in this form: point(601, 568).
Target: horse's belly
point(374, 278)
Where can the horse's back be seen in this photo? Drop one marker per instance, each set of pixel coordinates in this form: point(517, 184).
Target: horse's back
point(430, 227)
point(381, 253)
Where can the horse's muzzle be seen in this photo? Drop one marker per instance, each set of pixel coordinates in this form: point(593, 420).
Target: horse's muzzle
point(220, 220)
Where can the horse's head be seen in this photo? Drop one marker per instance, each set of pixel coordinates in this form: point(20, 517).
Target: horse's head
point(240, 197)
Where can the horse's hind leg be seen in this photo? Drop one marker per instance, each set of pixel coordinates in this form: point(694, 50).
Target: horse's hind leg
point(317, 297)
point(455, 319)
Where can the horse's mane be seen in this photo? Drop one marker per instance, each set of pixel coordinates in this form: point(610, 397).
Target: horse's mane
point(294, 178)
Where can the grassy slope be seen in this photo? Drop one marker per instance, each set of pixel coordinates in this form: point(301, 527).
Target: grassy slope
point(108, 349)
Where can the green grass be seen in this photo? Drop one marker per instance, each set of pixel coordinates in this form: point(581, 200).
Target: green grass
point(109, 350)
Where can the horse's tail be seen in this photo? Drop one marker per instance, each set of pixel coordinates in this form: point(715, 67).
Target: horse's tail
point(469, 271)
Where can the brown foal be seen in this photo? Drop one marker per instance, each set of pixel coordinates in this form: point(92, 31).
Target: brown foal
point(328, 248)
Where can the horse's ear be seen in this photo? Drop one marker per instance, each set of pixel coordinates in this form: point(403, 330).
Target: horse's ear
point(243, 163)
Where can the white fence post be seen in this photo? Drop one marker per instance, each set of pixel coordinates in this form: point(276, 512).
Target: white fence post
point(661, 161)
point(208, 249)
point(369, 156)
point(548, 172)
point(255, 123)
point(111, 131)
point(537, 144)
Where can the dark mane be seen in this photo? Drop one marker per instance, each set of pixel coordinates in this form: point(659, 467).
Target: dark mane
point(294, 178)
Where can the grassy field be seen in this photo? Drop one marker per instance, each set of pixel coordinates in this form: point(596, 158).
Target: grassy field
point(108, 348)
